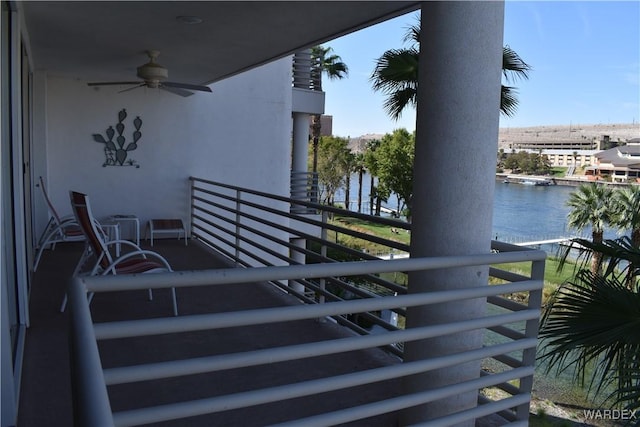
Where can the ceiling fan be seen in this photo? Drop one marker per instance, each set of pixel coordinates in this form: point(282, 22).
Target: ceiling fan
point(154, 76)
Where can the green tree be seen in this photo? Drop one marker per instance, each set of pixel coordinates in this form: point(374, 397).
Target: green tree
point(396, 76)
point(323, 63)
point(394, 164)
point(332, 152)
point(591, 206)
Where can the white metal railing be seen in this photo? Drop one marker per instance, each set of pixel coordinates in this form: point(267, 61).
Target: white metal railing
point(304, 186)
point(510, 353)
point(306, 71)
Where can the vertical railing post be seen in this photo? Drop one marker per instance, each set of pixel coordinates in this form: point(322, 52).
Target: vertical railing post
point(193, 202)
point(531, 331)
point(238, 216)
point(323, 252)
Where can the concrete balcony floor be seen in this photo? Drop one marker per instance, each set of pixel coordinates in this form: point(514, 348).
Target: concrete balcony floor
point(46, 391)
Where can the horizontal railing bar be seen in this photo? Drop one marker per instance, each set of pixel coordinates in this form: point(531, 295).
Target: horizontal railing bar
point(328, 226)
point(508, 360)
point(318, 206)
point(250, 252)
point(506, 275)
point(129, 328)
point(393, 404)
point(310, 237)
point(241, 249)
point(505, 303)
point(508, 332)
point(506, 387)
point(508, 247)
point(280, 354)
point(213, 245)
point(265, 274)
point(323, 385)
point(507, 414)
point(477, 412)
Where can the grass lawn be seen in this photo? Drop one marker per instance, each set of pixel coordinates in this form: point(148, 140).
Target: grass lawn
point(553, 277)
point(380, 230)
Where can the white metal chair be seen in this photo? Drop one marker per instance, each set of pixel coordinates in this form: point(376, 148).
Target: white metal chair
point(133, 261)
point(58, 229)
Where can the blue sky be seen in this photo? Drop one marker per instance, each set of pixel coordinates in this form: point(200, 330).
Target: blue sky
point(585, 57)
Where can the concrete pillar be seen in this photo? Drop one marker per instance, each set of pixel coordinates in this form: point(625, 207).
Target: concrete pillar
point(454, 176)
point(299, 156)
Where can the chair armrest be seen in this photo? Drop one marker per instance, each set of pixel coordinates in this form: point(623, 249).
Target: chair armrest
point(68, 218)
point(142, 252)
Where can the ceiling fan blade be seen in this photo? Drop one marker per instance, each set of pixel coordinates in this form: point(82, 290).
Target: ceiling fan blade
point(132, 88)
point(187, 86)
point(113, 83)
point(176, 90)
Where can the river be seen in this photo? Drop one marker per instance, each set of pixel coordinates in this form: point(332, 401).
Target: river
point(521, 213)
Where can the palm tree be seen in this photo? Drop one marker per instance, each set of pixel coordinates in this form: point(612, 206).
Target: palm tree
point(591, 206)
point(627, 212)
point(349, 166)
point(360, 169)
point(323, 62)
point(396, 76)
point(592, 322)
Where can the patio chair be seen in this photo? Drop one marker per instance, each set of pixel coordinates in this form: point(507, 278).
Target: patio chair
point(59, 229)
point(133, 261)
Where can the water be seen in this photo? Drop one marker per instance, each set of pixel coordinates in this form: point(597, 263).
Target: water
point(521, 213)
point(530, 212)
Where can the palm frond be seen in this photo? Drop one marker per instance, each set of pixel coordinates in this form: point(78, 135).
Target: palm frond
point(396, 67)
point(513, 67)
point(508, 101)
point(412, 35)
point(593, 322)
point(398, 101)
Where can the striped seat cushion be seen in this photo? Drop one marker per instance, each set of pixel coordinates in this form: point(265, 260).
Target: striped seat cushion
point(138, 265)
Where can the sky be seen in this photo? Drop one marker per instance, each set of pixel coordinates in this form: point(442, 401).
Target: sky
point(585, 59)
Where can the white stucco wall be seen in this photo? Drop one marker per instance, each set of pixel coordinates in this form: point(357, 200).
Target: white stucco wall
point(240, 134)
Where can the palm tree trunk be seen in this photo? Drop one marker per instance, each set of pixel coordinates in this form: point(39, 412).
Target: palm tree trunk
point(316, 127)
point(371, 197)
point(596, 258)
point(635, 238)
point(347, 190)
point(360, 173)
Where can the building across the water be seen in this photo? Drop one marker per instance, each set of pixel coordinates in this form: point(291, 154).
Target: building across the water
point(620, 164)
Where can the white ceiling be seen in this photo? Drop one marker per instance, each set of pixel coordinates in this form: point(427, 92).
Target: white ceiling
point(106, 41)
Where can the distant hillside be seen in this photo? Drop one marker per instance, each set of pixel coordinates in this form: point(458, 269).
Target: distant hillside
point(616, 132)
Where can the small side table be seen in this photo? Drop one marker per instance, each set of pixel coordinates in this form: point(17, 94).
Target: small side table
point(157, 226)
point(131, 218)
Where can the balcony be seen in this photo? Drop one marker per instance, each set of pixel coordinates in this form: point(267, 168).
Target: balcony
point(262, 339)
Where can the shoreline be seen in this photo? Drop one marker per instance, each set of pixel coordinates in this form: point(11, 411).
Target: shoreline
point(567, 181)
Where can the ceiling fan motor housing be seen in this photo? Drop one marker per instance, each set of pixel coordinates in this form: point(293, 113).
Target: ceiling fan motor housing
point(152, 73)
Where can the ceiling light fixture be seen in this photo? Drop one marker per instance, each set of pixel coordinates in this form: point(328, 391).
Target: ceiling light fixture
point(191, 20)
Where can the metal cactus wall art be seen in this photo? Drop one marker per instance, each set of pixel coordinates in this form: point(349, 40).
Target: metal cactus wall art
point(116, 152)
